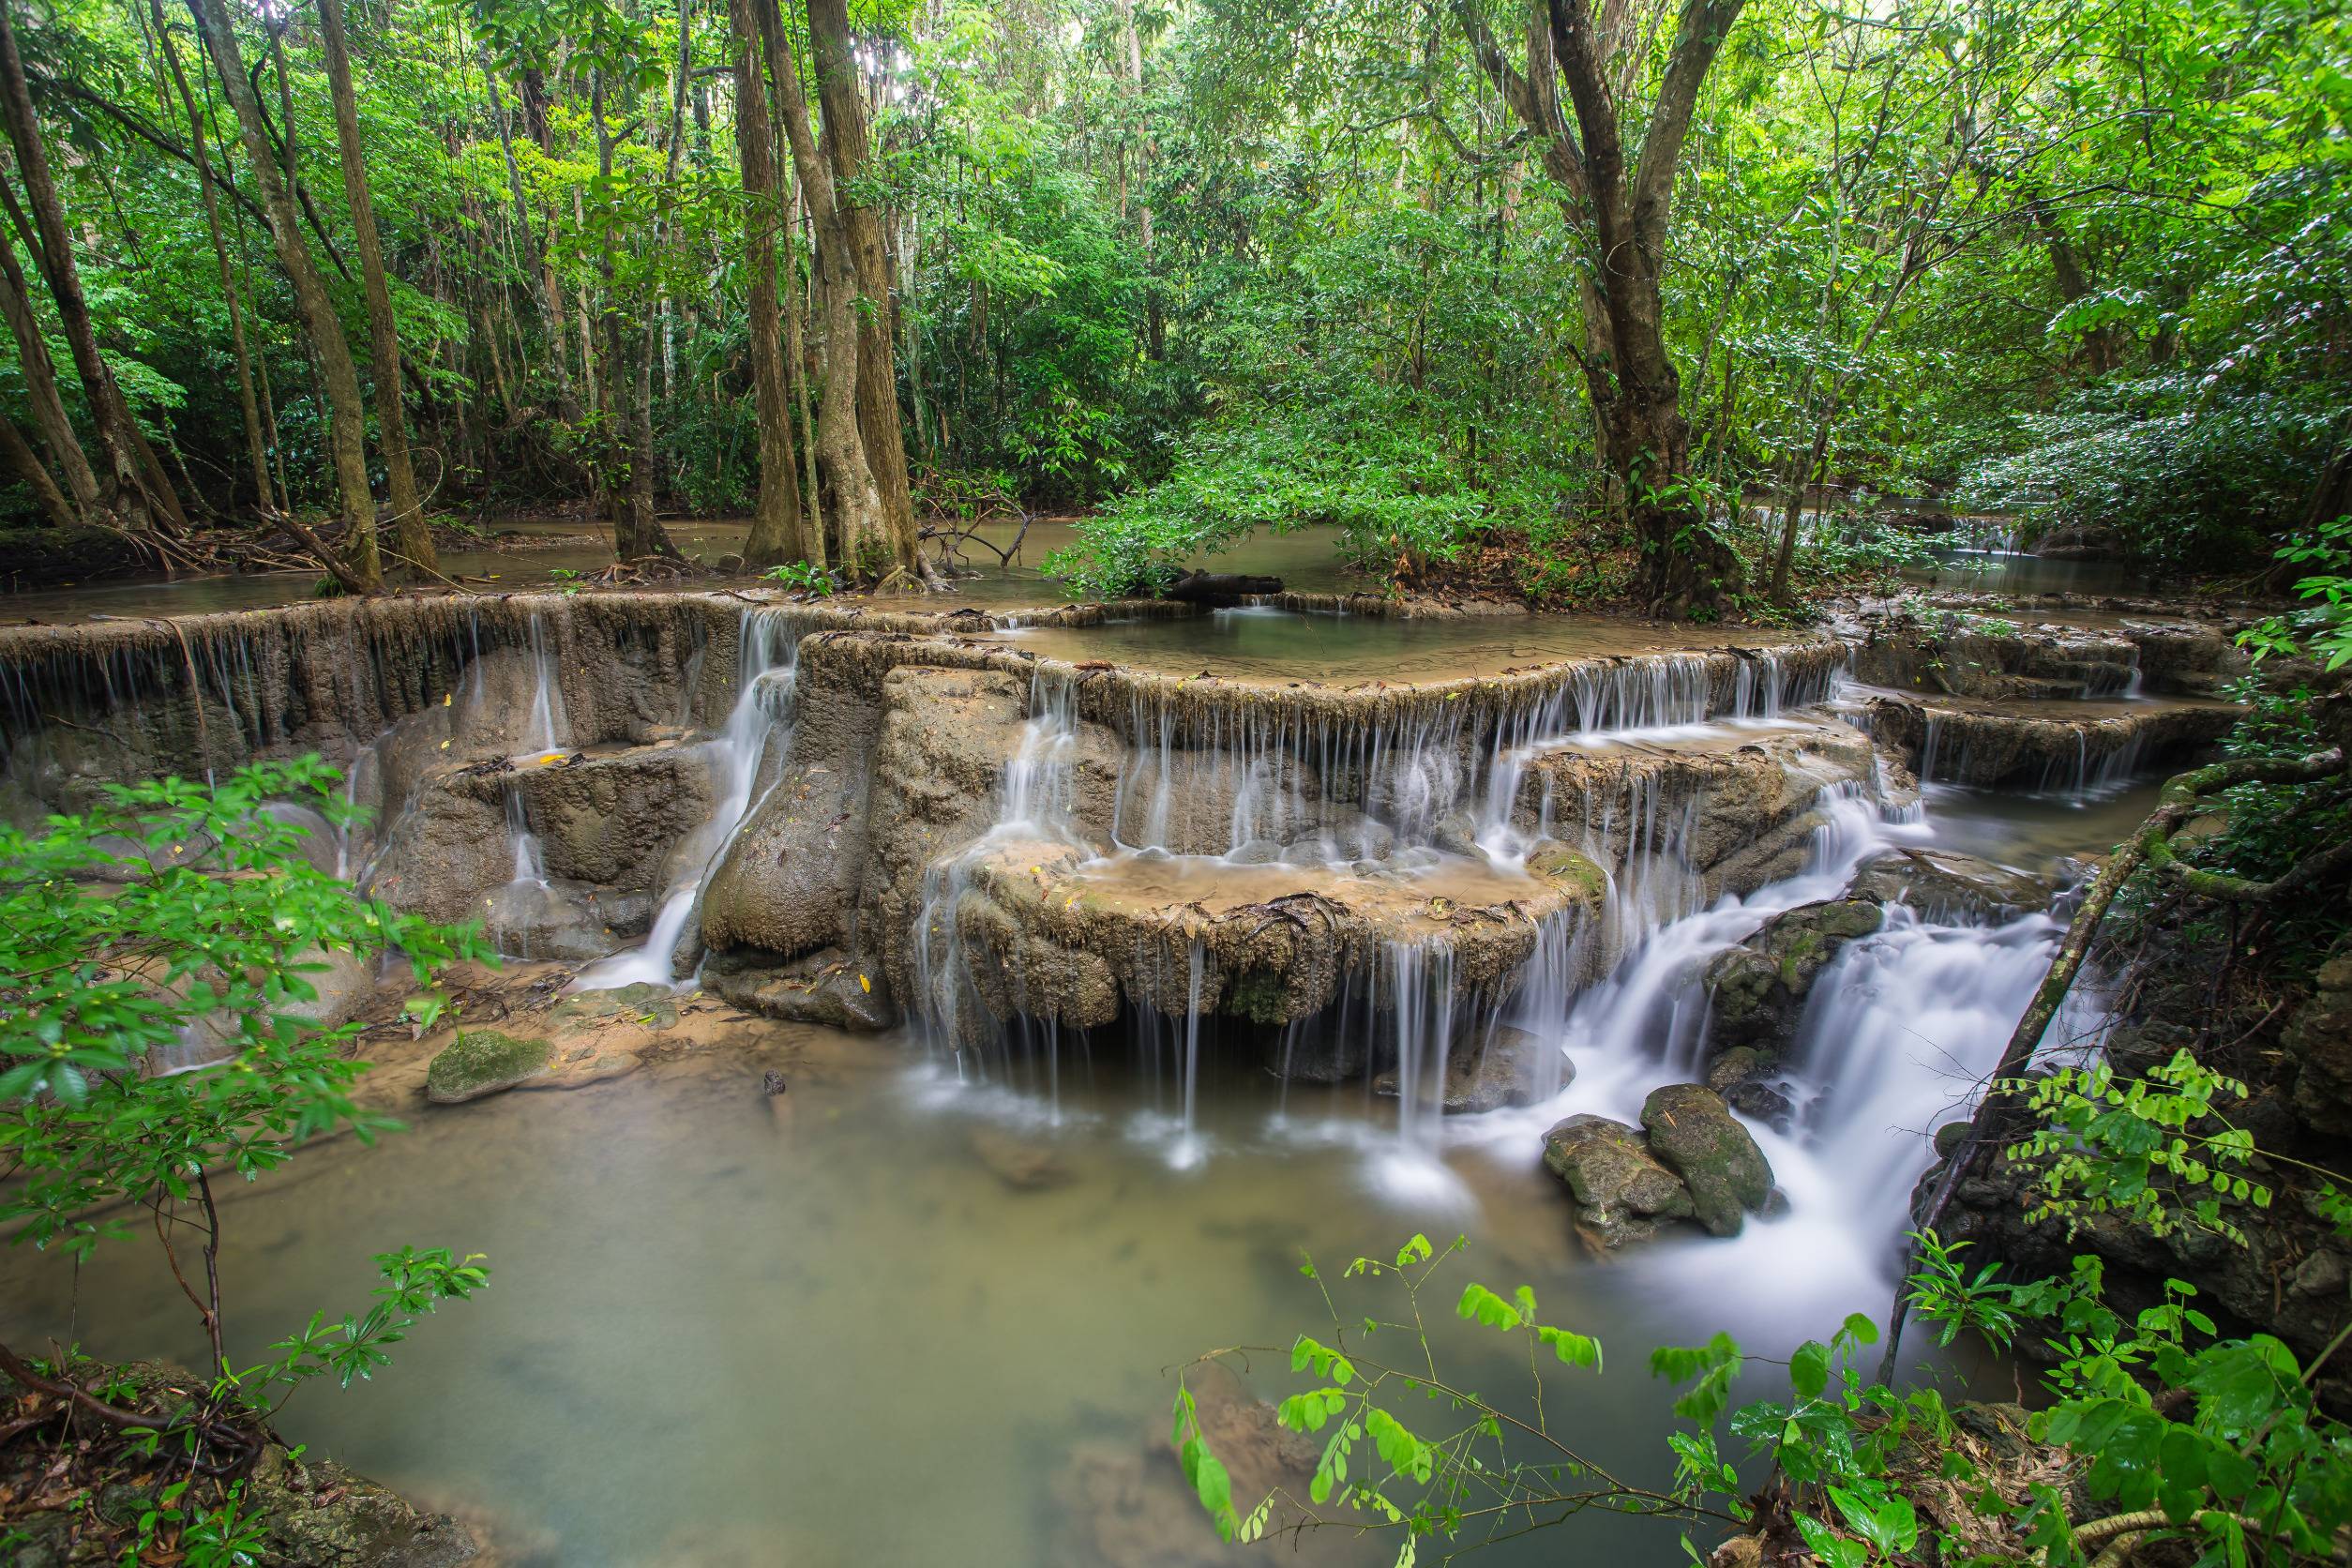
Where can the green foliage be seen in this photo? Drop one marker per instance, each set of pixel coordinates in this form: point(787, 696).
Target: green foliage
point(2154, 1149)
point(228, 1534)
point(2321, 629)
point(802, 577)
point(2179, 478)
point(174, 910)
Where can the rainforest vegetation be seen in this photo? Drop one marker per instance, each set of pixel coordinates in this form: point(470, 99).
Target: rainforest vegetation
point(1582, 300)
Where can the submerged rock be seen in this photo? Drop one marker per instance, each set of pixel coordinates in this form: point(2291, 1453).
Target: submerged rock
point(1501, 1072)
point(483, 1061)
point(646, 1004)
point(1694, 1133)
point(1623, 1192)
point(1021, 1164)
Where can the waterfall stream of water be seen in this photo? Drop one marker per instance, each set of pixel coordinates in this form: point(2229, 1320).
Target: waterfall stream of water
point(768, 663)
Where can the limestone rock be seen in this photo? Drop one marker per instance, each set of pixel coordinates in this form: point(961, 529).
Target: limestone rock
point(483, 1061)
point(1623, 1194)
point(823, 988)
point(2320, 1042)
point(1756, 991)
point(1694, 1133)
point(1947, 887)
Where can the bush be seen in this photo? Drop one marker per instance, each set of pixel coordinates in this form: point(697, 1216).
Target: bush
point(2184, 482)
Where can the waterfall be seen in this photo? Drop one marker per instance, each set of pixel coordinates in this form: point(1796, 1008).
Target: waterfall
point(1421, 976)
point(1036, 800)
point(549, 723)
point(768, 663)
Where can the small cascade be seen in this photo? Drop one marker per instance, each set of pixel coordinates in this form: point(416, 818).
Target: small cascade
point(530, 859)
point(1041, 780)
point(1421, 978)
point(1188, 1146)
point(1036, 800)
point(548, 725)
point(768, 663)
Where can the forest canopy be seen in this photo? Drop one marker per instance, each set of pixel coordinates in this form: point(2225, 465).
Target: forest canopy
point(1592, 297)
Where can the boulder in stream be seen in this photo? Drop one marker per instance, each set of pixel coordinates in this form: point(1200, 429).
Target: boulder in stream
point(1623, 1192)
point(1694, 1133)
point(1756, 991)
point(1945, 885)
point(483, 1061)
point(1503, 1071)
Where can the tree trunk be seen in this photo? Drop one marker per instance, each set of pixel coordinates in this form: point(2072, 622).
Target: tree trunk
point(796, 371)
point(550, 297)
point(847, 146)
point(775, 518)
point(25, 464)
point(248, 406)
point(131, 499)
point(868, 547)
point(413, 539)
point(347, 416)
point(40, 385)
point(1618, 213)
point(627, 426)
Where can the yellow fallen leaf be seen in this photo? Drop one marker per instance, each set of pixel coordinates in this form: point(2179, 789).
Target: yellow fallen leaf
point(863, 984)
point(445, 745)
point(550, 757)
point(449, 697)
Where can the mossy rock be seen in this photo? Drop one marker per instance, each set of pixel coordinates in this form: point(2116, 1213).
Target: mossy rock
point(1693, 1133)
point(1623, 1192)
point(483, 1061)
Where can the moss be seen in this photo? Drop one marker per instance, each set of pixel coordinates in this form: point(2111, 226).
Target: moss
point(1259, 995)
point(482, 1061)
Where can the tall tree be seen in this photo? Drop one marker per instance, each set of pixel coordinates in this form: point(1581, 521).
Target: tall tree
point(40, 383)
point(358, 565)
point(413, 538)
point(1618, 174)
point(131, 491)
point(870, 548)
point(776, 520)
point(848, 147)
point(249, 405)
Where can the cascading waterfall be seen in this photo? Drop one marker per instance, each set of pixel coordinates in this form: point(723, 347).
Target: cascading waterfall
point(1420, 974)
point(1035, 801)
point(767, 665)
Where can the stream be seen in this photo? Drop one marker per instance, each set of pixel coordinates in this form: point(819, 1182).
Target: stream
point(923, 1305)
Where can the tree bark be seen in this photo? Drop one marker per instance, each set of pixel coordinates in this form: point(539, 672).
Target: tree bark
point(775, 518)
point(847, 146)
point(131, 497)
point(347, 416)
point(413, 539)
point(248, 406)
point(869, 547)
point(40, 385)
point(26, 465)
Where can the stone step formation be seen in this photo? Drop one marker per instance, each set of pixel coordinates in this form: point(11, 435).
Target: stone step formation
point(871, 819)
